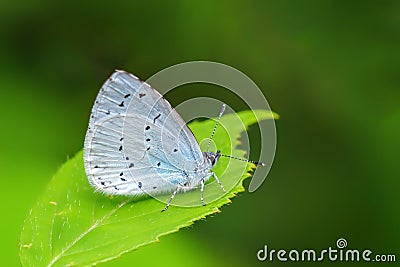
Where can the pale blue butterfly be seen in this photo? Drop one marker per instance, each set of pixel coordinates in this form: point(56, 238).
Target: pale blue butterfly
point(136, 143)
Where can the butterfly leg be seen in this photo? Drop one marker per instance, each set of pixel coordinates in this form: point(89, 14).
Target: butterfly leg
point(202, 192)
point(169, 201)
point(216, 179)
point(173, 195)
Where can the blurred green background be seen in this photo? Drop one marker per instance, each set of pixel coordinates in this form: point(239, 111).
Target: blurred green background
point(331, 69)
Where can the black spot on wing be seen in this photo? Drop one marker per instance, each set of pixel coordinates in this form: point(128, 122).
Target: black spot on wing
point(156, 117)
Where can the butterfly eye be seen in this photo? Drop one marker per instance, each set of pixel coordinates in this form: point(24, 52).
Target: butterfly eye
point(212, 160)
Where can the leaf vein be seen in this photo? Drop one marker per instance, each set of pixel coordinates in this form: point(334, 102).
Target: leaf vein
point(91, 228)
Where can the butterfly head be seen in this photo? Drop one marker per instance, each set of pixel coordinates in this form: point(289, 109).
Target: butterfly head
point(213, 157)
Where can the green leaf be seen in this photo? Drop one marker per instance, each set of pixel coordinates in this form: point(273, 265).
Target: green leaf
point(71, 225)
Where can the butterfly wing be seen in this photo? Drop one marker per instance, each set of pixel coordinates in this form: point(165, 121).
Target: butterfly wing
point(136, 143)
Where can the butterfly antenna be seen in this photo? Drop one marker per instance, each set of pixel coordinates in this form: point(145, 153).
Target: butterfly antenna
point(258, 163)
point(216, 125)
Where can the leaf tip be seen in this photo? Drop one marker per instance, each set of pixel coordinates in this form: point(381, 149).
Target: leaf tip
point(275, 115)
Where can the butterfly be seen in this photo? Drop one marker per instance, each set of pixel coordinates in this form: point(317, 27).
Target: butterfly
point(137, 144)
